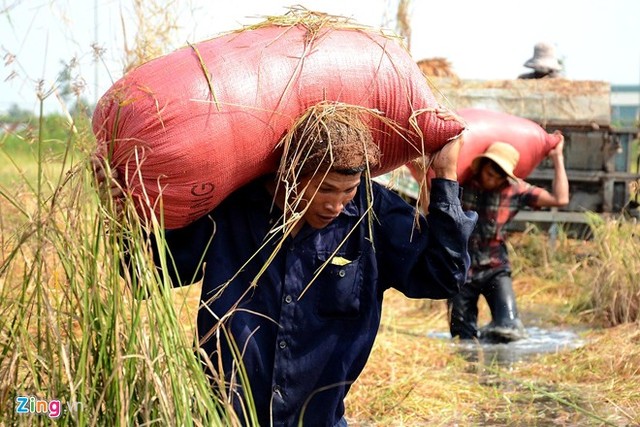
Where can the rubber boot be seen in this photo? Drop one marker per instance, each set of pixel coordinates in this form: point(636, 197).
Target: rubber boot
point(505, 325)
point(463, 313)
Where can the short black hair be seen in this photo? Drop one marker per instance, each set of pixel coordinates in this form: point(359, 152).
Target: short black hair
point(332, 137)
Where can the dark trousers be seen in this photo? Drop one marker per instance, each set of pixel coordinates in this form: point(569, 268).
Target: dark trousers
point(497, 288)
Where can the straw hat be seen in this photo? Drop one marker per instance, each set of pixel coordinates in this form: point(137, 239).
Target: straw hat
point(503, 154)
point(544, 58)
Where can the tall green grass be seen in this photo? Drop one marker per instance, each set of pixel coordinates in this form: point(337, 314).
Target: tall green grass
point(613, 293)
point(71, 326)
point(604, 267)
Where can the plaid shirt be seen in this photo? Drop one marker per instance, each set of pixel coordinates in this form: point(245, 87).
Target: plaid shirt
point(487, 245)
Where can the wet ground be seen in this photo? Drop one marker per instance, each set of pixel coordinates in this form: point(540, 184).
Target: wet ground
point(539, 341)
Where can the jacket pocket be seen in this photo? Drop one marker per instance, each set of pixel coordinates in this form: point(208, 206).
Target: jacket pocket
point(339, 286)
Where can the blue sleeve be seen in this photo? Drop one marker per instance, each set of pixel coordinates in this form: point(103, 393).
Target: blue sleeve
point(184, 249)
point(424, 257)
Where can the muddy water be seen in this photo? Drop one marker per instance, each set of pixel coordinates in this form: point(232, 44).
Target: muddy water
point(491, 364)
point(540, 341)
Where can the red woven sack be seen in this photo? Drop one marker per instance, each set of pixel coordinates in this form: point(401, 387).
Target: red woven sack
point(197, 124)
point(486, 126)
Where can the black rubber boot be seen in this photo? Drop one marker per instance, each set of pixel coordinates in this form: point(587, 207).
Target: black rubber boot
point(505, 325)
point(463, 313)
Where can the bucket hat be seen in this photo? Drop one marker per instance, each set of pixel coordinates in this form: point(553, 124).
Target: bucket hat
point(544, 58)
point(503, 154)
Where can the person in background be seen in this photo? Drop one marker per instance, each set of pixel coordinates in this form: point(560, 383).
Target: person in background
point(302, 300)
point(544, 63)
point(497, 195)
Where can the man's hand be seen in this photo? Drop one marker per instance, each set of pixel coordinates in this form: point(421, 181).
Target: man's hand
point(108, 182)
point(444, 164)
point(557, 153)
point(445, 161)
point(446, 115)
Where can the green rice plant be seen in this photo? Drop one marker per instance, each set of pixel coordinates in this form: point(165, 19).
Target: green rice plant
point(612, 296)
point(534, 251)
point(75, 336)
point(634, 155)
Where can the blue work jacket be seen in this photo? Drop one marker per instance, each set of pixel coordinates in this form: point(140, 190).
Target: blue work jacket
point(306, 324)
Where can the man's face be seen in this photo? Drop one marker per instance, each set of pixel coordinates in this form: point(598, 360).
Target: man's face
point(491, 177)
point(328, 195)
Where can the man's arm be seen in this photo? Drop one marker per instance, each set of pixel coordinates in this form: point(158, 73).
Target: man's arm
point(560, 191)
point(431, 261)
point(430, 258)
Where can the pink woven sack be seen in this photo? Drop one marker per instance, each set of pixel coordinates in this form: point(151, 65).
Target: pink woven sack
point(189, 128)
point(486, 126)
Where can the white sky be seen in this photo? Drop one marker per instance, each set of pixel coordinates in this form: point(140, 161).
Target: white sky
point(483, 39)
